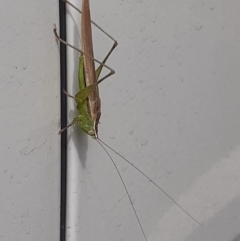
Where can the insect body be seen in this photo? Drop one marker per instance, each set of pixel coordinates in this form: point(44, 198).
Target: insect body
point(88, 100)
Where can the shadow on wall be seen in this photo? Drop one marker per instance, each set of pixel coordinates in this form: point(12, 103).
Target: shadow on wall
point(237, 238)
point(78, 136)
point(222, 221)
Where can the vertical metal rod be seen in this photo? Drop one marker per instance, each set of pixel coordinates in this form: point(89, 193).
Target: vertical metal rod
point(63, 85)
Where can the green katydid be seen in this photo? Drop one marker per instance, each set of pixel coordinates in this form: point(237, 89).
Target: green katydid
point(88, 100)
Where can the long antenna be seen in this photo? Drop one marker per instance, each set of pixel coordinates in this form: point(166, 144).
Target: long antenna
point(136, 168)
point(100, 143)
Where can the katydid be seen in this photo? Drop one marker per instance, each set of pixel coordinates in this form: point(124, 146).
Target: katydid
point(88, 99)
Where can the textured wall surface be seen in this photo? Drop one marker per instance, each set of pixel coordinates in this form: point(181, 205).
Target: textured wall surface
point(173, 109)
point(29, 117)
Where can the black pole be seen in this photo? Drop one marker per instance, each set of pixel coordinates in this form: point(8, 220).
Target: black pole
point(63, 85)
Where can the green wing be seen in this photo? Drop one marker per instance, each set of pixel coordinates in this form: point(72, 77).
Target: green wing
point(81, 78)
point(84, 92)
point(84, 119)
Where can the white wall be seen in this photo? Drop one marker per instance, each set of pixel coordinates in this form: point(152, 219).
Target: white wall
point(173, 109)
point(30, 153)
